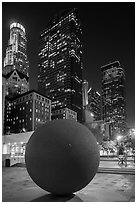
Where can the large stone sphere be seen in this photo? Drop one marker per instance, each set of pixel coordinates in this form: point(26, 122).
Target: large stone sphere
point(62, 156)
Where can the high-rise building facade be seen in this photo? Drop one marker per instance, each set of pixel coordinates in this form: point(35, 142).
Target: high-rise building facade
point(113, 98)
point(60, 63)
point(26, 112)
point(94, 103)
point(16, 60)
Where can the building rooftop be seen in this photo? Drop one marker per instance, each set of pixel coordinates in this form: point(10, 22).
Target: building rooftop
point(26, 93)
point(21, 75)
point(111, 63)
point(58, 17)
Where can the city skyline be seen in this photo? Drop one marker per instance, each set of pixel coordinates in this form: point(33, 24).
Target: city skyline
point(104, 47)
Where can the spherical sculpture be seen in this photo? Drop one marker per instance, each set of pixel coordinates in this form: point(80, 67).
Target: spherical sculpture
point(62, 156)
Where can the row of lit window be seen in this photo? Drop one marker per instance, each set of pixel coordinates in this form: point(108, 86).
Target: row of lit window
point(69, 17)
point(61, 44)
point(16, 120)
point(41, 98)
point(41, 111)
point(23, 120)
point(61, 60)
point(72, 112)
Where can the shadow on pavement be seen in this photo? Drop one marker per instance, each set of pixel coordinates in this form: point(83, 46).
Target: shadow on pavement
point(57, 198)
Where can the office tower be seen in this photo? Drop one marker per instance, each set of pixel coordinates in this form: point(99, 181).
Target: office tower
point(16, 64)
point(64, 113)
point(60, 64)
point(113, 98)
point(94, 103)
point(26, 112)
point(85, 94)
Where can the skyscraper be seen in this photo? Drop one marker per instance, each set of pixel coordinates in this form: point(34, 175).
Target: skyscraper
point(60, 64)
point(94, 103)
point(16, 64)
point(113, 97)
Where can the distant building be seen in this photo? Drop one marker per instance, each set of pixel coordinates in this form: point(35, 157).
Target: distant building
point(60, 63)
point(16, 65)
point(64, 113)
point(16, 56)
point(26, 112)
point(113, 97)
point(94, 103)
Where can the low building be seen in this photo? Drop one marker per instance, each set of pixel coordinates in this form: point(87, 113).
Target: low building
point(26, 112)
point(14, 147)
point(64, 113)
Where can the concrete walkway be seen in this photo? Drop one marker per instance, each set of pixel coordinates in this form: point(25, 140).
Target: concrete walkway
point(111, 166)
point(18, 187)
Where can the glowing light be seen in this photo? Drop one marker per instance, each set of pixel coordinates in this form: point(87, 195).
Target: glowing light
point(17, 25)
point(98, 93)
point(119, 137)
point(89, 90)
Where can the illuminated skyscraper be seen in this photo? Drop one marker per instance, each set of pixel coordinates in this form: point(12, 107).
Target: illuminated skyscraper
point(113, 97)
point(94, 103)
point(60, 64)
point(16, 64)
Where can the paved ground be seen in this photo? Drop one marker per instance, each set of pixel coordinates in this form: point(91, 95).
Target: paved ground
point(113, 163)
point(111, 166)
point(105, 187)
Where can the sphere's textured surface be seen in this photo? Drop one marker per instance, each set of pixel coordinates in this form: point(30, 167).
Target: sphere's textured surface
point(62, 156)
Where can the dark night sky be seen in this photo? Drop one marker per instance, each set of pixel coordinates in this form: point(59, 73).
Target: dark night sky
point(108, 35)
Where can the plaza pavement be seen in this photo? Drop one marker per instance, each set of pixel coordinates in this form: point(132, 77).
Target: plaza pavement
point(111, 166)
point(105, 186)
